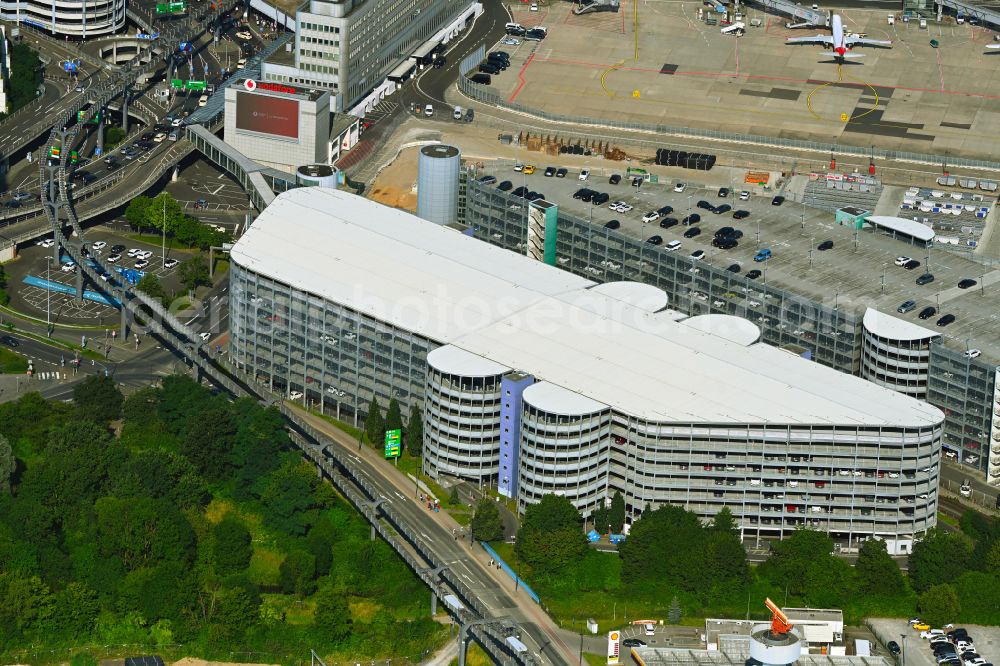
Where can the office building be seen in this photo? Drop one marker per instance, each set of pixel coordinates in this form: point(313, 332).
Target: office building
point(536, 381)
point(278, 125)
point(76, 20)
point(348, 47)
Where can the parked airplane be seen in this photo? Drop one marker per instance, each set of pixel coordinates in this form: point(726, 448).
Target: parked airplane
point(993, 46)
point(840, 42)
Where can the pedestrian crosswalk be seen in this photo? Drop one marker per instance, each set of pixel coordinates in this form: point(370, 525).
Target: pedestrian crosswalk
point(50, 375)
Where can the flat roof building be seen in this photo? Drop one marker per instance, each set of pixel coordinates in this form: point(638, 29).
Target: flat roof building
point(344, 299)
point(838, 306)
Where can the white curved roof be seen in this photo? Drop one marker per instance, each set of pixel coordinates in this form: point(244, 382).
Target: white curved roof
point(915, 229)
point(637, 294)
point(456, 361)
point(520, 313)
point(894, 328)
point(554, 399)
point(735, 329)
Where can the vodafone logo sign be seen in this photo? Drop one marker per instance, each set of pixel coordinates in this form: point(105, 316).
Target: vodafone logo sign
point(250, 85)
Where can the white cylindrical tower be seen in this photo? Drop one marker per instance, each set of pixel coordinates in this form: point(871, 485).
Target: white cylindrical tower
point(437, 183)
point(896, 354)
point(773, 649)
point(564, 447)
point(318, 175)
point(462, 415)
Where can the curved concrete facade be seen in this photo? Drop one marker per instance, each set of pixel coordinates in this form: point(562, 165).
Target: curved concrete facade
point(896, 354)
point(564, 447)
point(462, 415)
point(93, 18)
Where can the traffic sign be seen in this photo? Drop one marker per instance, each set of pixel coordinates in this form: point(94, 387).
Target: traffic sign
point(393, 438)
point(177, 83)
point(196, 85)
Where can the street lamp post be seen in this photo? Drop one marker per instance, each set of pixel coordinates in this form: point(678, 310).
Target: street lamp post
point(902, 650)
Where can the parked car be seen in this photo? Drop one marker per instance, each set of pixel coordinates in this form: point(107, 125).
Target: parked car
point(825, 245)
point(928, 312)
point(893, 648)
point(945, 320)
point(966, 283)
point(926, 278)
point(692, 232)
point(778, 200)
point(763, 254)
point(614, 179)
point(654, 240)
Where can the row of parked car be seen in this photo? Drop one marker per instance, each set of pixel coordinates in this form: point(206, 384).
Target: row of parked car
point(495, 62)
point(952, 646)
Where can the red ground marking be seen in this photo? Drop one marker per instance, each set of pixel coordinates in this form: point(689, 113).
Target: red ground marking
point(520, 76)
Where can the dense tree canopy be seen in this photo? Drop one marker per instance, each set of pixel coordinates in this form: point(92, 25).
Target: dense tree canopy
point(551, 537)
point(939, 557)
point(164, 530)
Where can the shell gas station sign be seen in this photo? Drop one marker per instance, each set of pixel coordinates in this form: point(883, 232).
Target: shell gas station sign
point(614, 647)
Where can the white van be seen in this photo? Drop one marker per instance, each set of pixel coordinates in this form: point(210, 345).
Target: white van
point(429, 110)
point(457, 113)
point(203, 101)
point(891, 19)
point(923, 24)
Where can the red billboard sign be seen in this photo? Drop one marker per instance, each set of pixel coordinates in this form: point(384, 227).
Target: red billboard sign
point(266, 114)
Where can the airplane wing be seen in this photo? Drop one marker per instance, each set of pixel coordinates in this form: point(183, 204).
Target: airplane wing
point(851, 42)
point(826, 40)
point(993, 46)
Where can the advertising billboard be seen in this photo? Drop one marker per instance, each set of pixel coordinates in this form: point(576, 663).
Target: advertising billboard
point(267, 115)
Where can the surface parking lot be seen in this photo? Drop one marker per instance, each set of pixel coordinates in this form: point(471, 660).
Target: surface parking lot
point(856, 273)
point(35, 263)
point(917, 651)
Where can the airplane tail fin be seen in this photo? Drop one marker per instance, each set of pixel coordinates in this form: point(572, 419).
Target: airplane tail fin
point(834, 54)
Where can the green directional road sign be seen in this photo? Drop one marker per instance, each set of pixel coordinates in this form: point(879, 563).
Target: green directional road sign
point(196, 85)
point(177, 83)
point(161, 8)
point(392, 443)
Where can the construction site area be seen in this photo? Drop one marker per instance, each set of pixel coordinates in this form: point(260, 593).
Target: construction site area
point(687, 65)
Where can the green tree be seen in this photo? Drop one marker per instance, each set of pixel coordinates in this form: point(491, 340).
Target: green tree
point(136, 212)
point(290, 498)
point(415, 433)
point(207, 442)
point(486, 522)
point(939, 557)
point(25, 75)
point(233, 546)
point(724, 522)
point(260, 439)
point(993, 558)
point(194, 272)
point(298, 574)
point(150, 285)
point(237, 611)
point(26, 604)
point(319, 544)
point(8, 465)
point(939, 604)
point(143, 532)
point(616, 514)
point(876, 571)
point(393, 417)
point(453, 498)
point(550, 538)
point(674, 614)
point(113, 136)
point(332, 618)
point(75, 609)
point(97, 398)
point(374, 424)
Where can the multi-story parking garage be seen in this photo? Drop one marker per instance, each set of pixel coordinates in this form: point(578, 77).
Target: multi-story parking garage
point(537, 381)
point(838, 306)
point(74, 19)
